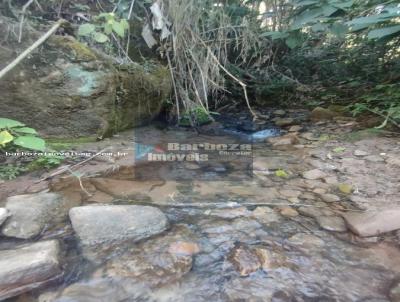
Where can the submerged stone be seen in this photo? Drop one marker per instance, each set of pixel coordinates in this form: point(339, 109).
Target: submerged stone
point(28, 267)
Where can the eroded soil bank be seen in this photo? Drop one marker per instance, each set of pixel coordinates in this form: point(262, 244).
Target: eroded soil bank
point(317, 221)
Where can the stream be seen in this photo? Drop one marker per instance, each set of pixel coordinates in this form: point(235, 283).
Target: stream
point(234, 233)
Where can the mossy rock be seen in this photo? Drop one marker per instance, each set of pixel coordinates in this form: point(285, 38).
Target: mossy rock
point(68, 90)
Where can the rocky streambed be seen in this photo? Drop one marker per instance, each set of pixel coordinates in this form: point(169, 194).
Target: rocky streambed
point(317, 221)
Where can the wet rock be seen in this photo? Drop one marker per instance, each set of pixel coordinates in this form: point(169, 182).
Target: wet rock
point(314, 174)
point(31, 214)
point(309, 136)
point(28, 267)
point(231, 213)
point(331, 180)
point(96, 225)
point(359, 201)
point(289, 139)
point(4, 214)
point(244, 260)
point(290, 193)
point(360, 153)
point(288, 212)
point(394, 292)
point(306, 240)
point(332, 223)
point(295, 128)
point(319, 191)
point(282, 122)
point(330, 198)
point(374, 158)
point(162, 260)
point(321, 114)
point(314, 212)
point(266, 215)
point(373, 223)
point(101, 290)
point(184, 248)
point(279, 112)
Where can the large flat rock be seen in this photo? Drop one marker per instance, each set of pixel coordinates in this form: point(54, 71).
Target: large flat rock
point(32, 213)
point(28, 267)
point(105, 226)
point(373, 223)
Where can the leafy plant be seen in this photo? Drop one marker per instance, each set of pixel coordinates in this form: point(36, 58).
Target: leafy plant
point(9, 172)
point(47, 162)
point(105, 24)
point(17, 134)
point(198, 116)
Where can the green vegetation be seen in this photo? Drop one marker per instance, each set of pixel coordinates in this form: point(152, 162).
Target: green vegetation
point(17, 135)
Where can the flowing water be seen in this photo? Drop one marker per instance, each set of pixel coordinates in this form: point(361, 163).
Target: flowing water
point(225, 216)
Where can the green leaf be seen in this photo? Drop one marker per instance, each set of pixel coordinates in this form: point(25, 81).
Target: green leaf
point(383, 32)
point(100, 37)
point(30, 142)
point(318, 27)
point(339, 30)
point(107, 28)
point(124, 24)
point(86, 29)
point(25, 130)
point(118, 28)
point(293, 42)
point(339, 149)
point(281, 173)
point(343, 4)
point(5, 137)
point(274, 35)
point(8, 123)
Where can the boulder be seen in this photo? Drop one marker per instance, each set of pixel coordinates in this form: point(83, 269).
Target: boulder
point(100, 226)
point(373, 223)
point(69, 90)
point(28, 267)
point(31, 214)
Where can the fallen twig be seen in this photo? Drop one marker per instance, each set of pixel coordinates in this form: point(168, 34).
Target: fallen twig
point(70, 168)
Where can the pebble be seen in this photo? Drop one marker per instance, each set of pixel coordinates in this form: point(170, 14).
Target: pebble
point(290, 193)
point(314, 174)
point(374, 158)
point(332, 223)
point(184, 248)
point(279, 112)
point(330, 198)
point(360, 153)
point(282, 122)
point(288, 212)
point(295, 128)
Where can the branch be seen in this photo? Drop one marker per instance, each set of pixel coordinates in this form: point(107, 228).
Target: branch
point(35, 45)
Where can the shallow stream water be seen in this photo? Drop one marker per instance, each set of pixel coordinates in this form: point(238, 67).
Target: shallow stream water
point(222, 215)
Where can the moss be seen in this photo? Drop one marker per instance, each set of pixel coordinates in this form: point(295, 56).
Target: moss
point(79, 51)
point(66, 143)
point(140, 95)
